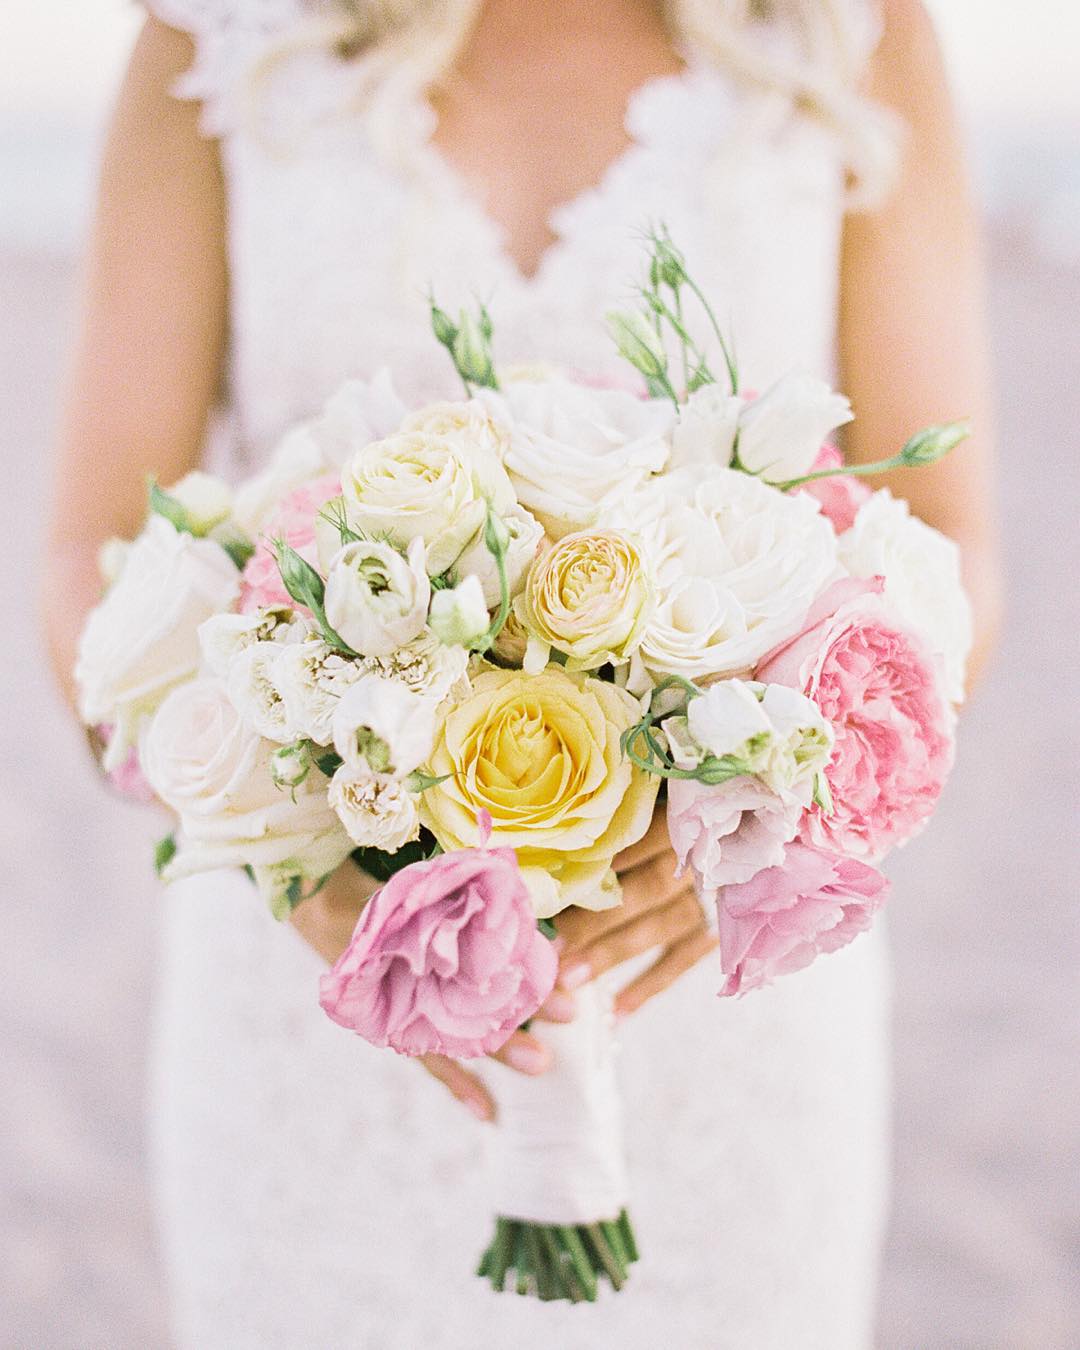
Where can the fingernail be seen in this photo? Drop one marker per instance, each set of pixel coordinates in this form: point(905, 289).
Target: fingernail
point(561, 1007)
point(478, 1107)
point(528, 1058)
point(573, 977)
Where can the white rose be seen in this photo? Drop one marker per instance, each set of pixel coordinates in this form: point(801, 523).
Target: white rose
point(296, 459)
point(425, 666)
point(738, 565)
point(380, 726)
point(223, 636)
point(143, 637)
point(921, 568)
point(206, 499)
point(473, 422)
point(429, 485)
point(376, 810)
point(459, 614)
point(312, 679)
point(214, 771)
point(782, 431)
point(525, 533)
point(375, 599)
point(574, 450)
point(705, 433)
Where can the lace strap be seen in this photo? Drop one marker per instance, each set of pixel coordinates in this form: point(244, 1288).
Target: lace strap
point(230, 36)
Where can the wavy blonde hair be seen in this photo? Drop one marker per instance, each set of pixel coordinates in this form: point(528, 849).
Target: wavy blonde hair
point(817, 64)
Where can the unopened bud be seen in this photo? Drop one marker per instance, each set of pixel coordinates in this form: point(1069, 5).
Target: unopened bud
point(638, 342)
point(933, 443)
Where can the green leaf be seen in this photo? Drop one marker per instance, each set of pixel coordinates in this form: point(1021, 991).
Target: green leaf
point(329, 763)
point(377, 863)
point(241, 551)
point(174, 511)
point(548, 929)
point(164, 853)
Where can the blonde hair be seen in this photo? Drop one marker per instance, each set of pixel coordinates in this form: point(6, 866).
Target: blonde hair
point(813, 52)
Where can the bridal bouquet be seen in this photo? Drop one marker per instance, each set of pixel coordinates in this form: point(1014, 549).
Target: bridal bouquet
point(467, 644)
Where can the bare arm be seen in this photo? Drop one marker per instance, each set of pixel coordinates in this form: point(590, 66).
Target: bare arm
point(913, 342)
point(148, 350)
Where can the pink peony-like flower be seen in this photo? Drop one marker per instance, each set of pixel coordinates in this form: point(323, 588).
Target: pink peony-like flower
point(447, 957)
point(877, 684)
point(726, 833)
point(786, 916)
point(841, 495)
point(261, 586)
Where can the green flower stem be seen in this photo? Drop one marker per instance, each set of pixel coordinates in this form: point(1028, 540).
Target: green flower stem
point(626, 1228)
point(926, 447)
point(559, 1261)
point(579, 1257)
point(521, 1259)
point(728, 354)
point(613, 1267)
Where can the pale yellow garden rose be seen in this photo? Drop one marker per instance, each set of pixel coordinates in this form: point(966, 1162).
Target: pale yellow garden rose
point(589, 597)
point(540, 754)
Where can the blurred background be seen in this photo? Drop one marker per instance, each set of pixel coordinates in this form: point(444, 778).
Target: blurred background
point(984, 1249)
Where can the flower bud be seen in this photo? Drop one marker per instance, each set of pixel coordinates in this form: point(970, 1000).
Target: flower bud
point(668, 263)
point(933, 443)
point(291, 764)
point(638, 342)
point(443, 326)
point(459, 615)
point(471, 352)
point(206, 500)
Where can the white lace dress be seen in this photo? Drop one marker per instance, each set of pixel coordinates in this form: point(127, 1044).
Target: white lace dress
point(317, 1194)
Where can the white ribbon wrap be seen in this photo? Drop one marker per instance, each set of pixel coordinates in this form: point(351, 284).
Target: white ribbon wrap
point(556, 1150)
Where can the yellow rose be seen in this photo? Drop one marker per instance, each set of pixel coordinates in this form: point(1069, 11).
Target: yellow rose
point(540, 753)
point(589, 597)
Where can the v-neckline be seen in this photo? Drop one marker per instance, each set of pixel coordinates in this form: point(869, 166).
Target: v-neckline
point(444, 171)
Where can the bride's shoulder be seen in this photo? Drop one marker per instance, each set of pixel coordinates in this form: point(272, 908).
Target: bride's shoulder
point(229, 37)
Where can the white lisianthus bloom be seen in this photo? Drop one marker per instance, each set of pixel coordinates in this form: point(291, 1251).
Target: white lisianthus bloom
point(459, 614)
point(380, 726)
point(223, 636)
point(214, 771)
point(921, 567)
point(311, 679)
point(377, 810)
point(143, 637)
point(360, 412)
point(574, 451)
point(728, 719)
point(737, 567)
point(425, 666)
point(206, 498)
point(253, 688)
point(375, 599)
point(782, 431)
point(525, 535)
point(705, 433)
point(801, 745)
point(433, 485)
point(111, 558)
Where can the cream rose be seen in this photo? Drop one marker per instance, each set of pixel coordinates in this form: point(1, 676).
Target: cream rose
point(429, 485)
point(589, 597)
point(921, 568)
point(738, 565)
point(143, 637)
point(574, 450)
point(375, 599)
point(215, 772)
point(540, 754)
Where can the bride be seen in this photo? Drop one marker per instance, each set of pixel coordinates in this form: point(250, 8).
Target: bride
point(284, 181)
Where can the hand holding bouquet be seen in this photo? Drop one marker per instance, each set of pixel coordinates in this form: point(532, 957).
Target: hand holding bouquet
point(466, 644)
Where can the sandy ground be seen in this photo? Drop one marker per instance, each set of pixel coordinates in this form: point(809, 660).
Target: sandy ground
point(984, 1251)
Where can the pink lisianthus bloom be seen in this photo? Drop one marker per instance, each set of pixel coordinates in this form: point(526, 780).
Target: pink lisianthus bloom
point(261, 586)
point(786, 916)
point(446, 958)
point(877, 684)
point(841, 495)
point(727, 832)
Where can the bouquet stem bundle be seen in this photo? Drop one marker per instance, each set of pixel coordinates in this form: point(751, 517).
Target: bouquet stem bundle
point(559, 1261)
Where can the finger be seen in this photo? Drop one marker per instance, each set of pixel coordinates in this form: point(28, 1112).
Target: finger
point(650, 885)
point(677, 959)
point(658, 928)
point(655, 840)
point(524, 1053)
point(465, 1086)
point(559, 1006)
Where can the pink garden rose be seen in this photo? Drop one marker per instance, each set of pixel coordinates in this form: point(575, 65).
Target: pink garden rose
point(878, 685)
point(841, 495)
point(447, 957)
point(727, 832)
point(261, 586)
point(784, 917)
